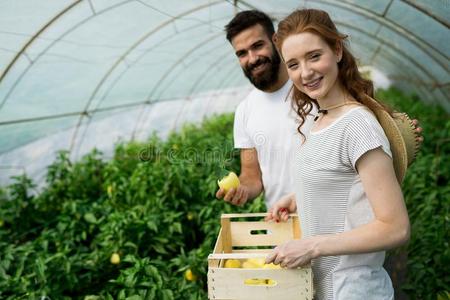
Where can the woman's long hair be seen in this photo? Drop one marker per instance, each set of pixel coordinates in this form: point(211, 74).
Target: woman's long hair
point(319, 22)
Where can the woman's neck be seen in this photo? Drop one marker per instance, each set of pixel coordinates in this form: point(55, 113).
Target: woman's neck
point(334, 97)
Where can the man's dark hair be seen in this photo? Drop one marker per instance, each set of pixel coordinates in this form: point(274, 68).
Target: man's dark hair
point(247, 19)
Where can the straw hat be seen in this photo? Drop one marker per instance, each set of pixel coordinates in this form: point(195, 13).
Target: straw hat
point(401, 134)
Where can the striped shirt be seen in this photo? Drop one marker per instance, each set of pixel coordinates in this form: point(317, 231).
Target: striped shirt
point(331, 199)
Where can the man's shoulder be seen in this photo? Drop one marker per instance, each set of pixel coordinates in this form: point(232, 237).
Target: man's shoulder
point(254, 94)
point(248, 100)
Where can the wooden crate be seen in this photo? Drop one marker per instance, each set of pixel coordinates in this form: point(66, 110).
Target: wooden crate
point(238, 240)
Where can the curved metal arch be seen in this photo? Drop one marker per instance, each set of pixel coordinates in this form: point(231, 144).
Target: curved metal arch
point(222, 83)
point(71, 114)
point(418, 41)
point(148, 99)
point(181, 110)
point(53, 43)
point(396, 62)
point(138, 42)
point(62, 36)
point(386, 57)
point(138, 122)
point(34, 37)
point(208, 69)
point(219, 90)
point(169, 70)
point(182, 58)
point(227, 75)
point(116, 80)
point(428, 12)
point(122, 57)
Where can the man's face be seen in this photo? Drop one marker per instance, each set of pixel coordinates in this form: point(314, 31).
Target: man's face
point(257, 56)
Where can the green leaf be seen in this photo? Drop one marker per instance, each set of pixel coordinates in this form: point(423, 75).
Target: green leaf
point(90, 218)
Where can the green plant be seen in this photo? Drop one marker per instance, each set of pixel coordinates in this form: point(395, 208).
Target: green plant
point(154, 204)
point(427, 193)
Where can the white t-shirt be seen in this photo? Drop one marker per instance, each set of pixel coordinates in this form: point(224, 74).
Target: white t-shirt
point(267, 122)
point(331, 199)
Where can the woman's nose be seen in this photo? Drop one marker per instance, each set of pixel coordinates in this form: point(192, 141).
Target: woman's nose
point(307, 73)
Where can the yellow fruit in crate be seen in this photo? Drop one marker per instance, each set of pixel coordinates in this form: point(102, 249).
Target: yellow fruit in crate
point(258, 262)
point(271, 282)
point(115, 259)
point(232, 263)
point(189, 275)
point(253, 263)
point(271, 266)
point(228, 182)
point(248, 265)
point(255, 281)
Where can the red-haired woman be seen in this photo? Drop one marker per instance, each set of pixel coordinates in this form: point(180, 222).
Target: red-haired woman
point(349, 201)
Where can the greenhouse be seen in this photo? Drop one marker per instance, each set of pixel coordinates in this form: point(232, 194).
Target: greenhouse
point(117, 121)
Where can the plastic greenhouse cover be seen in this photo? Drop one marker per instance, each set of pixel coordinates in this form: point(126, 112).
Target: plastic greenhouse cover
point(107, 129)
point(80, 74)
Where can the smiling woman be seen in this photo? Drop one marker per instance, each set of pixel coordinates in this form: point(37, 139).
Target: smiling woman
point(350, 203)
point(312, 65)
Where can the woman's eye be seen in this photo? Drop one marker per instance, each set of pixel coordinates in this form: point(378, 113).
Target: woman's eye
point(315, 56)
point(292, 66)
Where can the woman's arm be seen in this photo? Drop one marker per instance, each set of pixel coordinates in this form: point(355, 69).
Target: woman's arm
point(390, 227)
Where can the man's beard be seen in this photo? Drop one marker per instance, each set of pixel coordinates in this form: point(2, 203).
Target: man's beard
point(269, 77)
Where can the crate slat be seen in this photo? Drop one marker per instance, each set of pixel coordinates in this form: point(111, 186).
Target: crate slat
point(277, 233)
point(289, 284)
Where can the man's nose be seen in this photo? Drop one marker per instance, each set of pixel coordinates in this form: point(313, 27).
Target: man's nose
point(252, 57)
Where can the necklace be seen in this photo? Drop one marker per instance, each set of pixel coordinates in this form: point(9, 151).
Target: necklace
point(325, 110)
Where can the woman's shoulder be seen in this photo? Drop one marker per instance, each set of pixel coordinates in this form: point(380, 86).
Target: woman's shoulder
point(361, 114)
point(361, 121)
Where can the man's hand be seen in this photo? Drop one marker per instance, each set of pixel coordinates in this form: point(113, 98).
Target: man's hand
point(250, 179)
point(234, 196)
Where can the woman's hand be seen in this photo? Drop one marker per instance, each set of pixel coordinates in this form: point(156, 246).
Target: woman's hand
point(282, 208)
point(295, 253)
point(418, 130)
